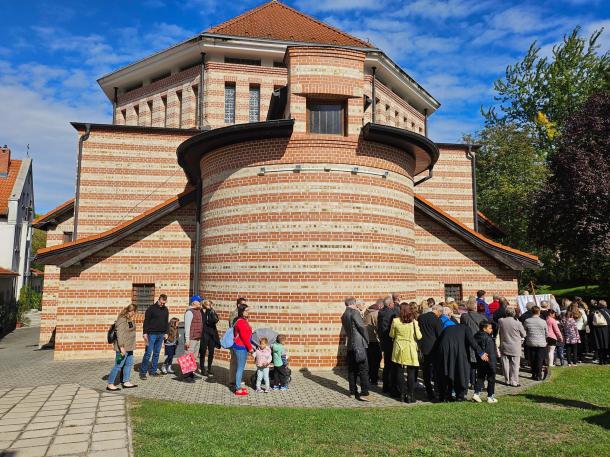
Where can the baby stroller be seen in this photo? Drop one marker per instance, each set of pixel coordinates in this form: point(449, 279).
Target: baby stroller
point(271, 336)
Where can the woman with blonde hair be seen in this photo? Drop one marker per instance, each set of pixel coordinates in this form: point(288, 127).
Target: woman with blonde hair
point(406, 333)
point(124, 344)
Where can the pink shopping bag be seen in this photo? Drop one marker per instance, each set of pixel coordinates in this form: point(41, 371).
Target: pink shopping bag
point(187, 363)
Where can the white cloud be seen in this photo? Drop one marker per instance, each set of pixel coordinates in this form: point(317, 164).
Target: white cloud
point(29, 118)
point(455, 9)
point(451, 129)
point(340, 5)
point(447, 87)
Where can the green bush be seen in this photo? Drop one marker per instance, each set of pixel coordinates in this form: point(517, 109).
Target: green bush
point(30, 299)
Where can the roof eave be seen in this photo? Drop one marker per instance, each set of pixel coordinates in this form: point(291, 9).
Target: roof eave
point(512, 260)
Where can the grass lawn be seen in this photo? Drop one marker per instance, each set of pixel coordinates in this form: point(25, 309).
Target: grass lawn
point(569, 415)
point(585, 291)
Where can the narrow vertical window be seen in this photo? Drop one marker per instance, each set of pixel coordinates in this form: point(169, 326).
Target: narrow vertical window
point(229, 103)
point(255, 103)
point(124, 116)
point(136, 109)
point(150, 113)
point(396, 118)
point(179, 111)
point(196, 97)
point(164, 110)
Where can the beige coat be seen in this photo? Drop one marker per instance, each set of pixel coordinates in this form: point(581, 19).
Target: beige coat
point(405, 338)
point(126, 334)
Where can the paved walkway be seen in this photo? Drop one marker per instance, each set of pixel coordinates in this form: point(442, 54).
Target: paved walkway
point(23, 365)
point(62, 420)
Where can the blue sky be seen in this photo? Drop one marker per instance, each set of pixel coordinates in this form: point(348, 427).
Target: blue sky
point(52, 52)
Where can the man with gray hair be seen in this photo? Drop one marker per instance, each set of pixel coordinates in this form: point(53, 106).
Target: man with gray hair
point(527, 314)
point(357, 343)
point(384, 321)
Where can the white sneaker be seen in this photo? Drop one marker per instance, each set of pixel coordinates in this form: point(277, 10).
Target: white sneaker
point(476, 398)
point(170, 369)
point(492, 400)
point(163, 369)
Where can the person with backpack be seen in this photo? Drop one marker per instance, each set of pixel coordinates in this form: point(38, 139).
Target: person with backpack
point(242, 346)
point(599, 323)
point(124, 343)
point(209, 338)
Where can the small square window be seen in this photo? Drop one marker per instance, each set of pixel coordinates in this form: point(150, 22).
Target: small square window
point(326, 117)
point(143, 295)
point(67, 237)
point(454, 291)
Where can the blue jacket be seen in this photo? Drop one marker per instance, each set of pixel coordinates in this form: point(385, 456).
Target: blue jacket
point(484, 304)
point(446, 321)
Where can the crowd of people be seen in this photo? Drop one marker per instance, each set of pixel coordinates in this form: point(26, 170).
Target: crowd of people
point(462, 346)
point(456, 346)
point(201, 339)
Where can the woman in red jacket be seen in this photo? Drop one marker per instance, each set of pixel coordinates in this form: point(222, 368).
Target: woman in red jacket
point(242, 334)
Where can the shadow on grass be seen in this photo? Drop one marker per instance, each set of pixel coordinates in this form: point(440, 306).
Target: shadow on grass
point(601, 420)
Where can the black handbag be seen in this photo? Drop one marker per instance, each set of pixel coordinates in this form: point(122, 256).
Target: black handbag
point(360, 355)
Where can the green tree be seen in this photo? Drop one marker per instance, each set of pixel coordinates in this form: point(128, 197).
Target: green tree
point(39, 240)
point(540, 93)
point(509, 170)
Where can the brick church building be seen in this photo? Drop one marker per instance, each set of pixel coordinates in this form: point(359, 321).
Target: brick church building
point(272, 157)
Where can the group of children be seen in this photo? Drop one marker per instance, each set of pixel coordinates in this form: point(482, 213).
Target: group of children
point(265, 357)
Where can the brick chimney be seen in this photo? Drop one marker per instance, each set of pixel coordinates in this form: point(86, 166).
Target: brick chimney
point(5, 160)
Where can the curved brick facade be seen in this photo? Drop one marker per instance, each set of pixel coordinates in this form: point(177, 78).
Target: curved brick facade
point(297, 243)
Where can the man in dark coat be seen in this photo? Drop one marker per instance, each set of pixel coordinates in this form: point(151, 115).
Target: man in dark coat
point(210, 339)
point(384, 322)
point(601, 333)
point(472, 319)
point(431, 328)
point(357, 343)
point(452, 365)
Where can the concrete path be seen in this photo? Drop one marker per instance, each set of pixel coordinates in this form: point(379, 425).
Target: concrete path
point(62, 420)
point(23, 365)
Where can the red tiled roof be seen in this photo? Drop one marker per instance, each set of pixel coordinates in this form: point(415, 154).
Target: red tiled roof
point(41, 220)
point(94, 243)
point(474, 233)
point(484, 218)
point(7, 183)
point(276, 21)
point(5, 272)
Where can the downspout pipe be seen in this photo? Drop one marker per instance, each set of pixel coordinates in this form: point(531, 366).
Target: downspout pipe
point(115, 102)
point(84, 137)
point(473, 167)
point(417, 183)
point(373, 94)
point(426, 122)
point(196, 254)
point(200, 93)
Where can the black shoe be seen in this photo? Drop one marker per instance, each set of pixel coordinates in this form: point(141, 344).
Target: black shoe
point(365, 394)
point(143, 376)
point(205, 372)
point(189, 379)
point(209, 372)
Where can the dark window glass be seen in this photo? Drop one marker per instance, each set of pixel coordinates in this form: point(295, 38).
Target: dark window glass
point(454, 291)
point(243, 61)
point(325, 118)
point(143, 295)
point(67, 237)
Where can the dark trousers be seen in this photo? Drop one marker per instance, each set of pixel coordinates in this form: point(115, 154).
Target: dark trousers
point(447, 385)
point(357, 370)
point(572, 353)
point(407, 377)
point(583, 346)
point(170, 352)
point(208, 344)
point(427, 369)
point(602, 354)
point(389, 368)
point(374, 357)
point(488, 374)
point(280, 376)
point(537, 358)
point(473, 374)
